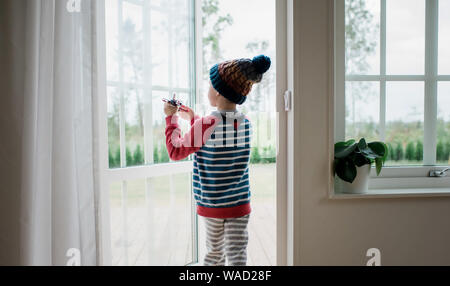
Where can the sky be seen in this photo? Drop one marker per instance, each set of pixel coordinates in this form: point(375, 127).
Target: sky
point(253, 20)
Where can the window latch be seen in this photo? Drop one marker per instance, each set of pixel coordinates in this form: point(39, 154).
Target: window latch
point(287, 100)
point(438, 173)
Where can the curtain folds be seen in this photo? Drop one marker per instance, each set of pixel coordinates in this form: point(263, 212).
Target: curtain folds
point(56, 221)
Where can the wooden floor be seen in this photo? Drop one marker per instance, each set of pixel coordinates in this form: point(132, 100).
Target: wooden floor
point(261, 250)
point(262, 234)
point(165, 239)
point(158, 228)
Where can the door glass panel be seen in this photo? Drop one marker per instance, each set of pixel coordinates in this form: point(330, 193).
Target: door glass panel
point(160, 48)
point(148, 58)
point(132, 55)
point(151, 222)
point(113, 99)
point(112, 36)
point(245, 34)
point(149, 48)
point(159, 125)
point(134, 127)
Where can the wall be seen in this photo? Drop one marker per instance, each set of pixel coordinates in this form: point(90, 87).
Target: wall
point(408, 231)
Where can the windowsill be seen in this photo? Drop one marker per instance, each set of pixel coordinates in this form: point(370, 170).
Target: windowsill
point(395, 193)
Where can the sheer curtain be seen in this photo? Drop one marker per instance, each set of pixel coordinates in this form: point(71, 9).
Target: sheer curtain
point(50, 57)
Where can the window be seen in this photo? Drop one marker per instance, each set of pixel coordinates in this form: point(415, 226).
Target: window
point(153, 49)
point(392, 76)
point(150, 54)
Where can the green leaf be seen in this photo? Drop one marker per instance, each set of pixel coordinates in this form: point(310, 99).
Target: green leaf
point(346, 170)
point(386, 152)
point(378, 148)
point(378, 165)
point(344, 144)
point(340, 145)
point(368, 153)
point(342, 151)
point(350, 142)
point(362, 144)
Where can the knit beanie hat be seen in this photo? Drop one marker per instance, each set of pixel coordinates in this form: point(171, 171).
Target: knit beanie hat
point(234, 78)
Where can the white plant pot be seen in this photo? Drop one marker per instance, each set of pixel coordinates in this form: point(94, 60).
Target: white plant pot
point(361, 182)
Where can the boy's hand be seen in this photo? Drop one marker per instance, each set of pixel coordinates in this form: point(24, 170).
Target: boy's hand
point(169, 109)
point(186, 113)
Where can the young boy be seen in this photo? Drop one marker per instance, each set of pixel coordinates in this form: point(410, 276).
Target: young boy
point(220, 143)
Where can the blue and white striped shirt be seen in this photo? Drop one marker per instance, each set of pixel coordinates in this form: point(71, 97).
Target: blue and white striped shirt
point(221, 175)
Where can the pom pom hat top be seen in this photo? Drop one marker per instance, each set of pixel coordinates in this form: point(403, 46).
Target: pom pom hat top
point(233, 79)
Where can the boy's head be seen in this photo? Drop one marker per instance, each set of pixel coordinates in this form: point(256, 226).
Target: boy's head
point(233, 79)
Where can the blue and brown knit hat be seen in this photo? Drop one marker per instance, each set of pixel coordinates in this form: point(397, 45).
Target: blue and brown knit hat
point(234, 78)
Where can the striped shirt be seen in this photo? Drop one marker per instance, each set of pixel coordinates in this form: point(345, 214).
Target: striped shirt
point(220, 178)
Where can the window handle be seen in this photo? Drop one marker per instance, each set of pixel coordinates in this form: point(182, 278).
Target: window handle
point(438, 173)
point(287, 100)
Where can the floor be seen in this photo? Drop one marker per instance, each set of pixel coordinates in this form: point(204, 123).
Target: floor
point(262, 235)
point(158, 231)
point(171, 244)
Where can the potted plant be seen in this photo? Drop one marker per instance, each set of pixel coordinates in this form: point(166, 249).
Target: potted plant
point(353, 160)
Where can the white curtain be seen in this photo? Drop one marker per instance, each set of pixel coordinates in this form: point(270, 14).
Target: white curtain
point(53, 77)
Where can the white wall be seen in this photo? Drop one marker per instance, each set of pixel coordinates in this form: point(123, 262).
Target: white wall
point(408, 231)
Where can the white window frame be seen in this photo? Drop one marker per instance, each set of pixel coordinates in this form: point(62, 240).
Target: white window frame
point(149, 170)
point(403, 177)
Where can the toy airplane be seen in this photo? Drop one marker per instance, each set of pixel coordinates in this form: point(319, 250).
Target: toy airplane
point(175, 102)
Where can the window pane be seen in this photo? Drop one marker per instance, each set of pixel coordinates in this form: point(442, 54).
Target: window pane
point(404, 122)
point(113, 127)
point(184, 124)
point(180, 48)
point(125, 206)
point(150, 218)
point(134, 127)
point(443, 124)
point(362, 36)
point(160, 48)
point(158, 3)
point(248, 29)
point(132, 43)
point(362, 110)
point(154, 48)
point(444, 37)
point(405, 36)
point(112, 38)
point(160, 154)
point(170, 34)
point(151, 222)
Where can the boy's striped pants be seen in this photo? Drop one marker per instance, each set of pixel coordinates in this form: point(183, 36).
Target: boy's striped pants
point(226, 238)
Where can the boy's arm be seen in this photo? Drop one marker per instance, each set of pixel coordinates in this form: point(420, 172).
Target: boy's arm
point(180, 147)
